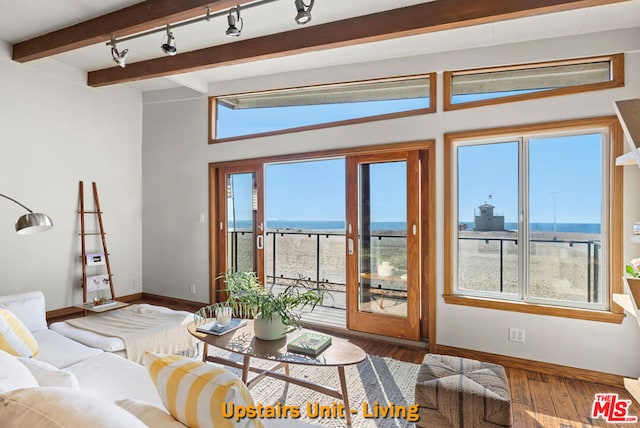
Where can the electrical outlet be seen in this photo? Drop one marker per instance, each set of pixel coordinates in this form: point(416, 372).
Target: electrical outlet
point(516, 335)
point(201, 218)
point(192, 287)
point(136, 282)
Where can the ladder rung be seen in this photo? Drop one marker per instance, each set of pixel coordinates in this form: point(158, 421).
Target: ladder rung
point(93, 233)
point(91, 212)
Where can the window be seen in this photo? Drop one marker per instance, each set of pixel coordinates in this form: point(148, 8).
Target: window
point(473, 88)
point(533, 218)
point(297, 109)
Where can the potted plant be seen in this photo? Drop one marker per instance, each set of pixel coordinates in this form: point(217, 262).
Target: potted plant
point(274, 311)
point(633, 270)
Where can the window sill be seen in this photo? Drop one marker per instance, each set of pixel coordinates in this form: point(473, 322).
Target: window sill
point(532, 308)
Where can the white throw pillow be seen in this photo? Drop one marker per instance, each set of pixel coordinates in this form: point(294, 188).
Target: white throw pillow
point(15, 338)
point(14, 375)
point(150, 415)
point(195, 392)
point(48, 375)
point(61, 408)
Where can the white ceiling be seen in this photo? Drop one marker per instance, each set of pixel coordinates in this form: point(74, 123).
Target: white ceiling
point(23, 20)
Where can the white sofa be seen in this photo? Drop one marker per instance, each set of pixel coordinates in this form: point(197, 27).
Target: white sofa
point(102, 376)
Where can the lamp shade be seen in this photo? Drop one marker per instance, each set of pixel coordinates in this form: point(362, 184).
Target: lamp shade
point(33, 223)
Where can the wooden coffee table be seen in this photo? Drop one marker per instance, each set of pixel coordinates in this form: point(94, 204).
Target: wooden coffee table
point(242, 341)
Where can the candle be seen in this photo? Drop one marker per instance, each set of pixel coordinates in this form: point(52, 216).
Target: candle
point(223, 316)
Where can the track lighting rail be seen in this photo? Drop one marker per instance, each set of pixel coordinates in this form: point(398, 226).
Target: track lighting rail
point(206, 17)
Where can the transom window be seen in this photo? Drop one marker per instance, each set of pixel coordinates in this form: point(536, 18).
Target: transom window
point(473, 88)
point(530, 213)
point(296, 109)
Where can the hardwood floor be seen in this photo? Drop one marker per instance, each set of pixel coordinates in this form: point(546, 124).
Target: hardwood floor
point(539, 400)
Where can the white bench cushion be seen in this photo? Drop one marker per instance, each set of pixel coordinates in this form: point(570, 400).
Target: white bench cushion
point(89, 338)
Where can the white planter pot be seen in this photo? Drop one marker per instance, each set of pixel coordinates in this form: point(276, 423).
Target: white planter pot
point(385, 269)
point(272, 329)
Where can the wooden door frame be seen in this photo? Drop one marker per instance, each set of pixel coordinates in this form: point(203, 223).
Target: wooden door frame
point(401, 327)
point(428, 291)
point(217, 214)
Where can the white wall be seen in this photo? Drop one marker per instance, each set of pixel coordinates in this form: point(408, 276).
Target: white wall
point(176, 155)
point(55, 131)
point(175, 161)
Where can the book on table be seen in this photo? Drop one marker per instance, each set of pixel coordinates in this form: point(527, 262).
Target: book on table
point(310, 343)
point(214, 328)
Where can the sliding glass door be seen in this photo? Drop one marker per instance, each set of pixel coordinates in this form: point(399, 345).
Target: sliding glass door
point(351, 224)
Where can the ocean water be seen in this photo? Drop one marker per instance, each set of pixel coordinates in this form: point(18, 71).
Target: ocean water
point(548, 227)
point(401, 225)
point(336, 225)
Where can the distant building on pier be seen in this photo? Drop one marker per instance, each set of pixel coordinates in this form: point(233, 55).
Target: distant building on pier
point(486, 221)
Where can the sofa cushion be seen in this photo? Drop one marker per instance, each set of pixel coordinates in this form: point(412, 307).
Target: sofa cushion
point(29, 307)
point(15, 338)
point(14, 375)
point(60, 351)
point(48, 375)
point(150, 415)
point(196, 393)
point(112, 378)
point(61, 407)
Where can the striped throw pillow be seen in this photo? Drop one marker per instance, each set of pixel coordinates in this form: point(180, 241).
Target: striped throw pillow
point(195, 393)
point(15, 338)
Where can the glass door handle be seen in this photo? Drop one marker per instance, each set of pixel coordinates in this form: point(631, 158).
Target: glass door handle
point(260, 242)
point(350, 246)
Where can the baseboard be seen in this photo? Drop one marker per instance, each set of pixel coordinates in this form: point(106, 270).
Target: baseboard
point(130, 298)
point(535, 366)
point(56, 314)
point(172, 300)
point(66, 313)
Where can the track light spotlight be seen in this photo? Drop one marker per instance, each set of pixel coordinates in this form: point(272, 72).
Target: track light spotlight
point(168, 45)
point(118, 57)
point(234, 29)
point(234, 19)
point(304, 11)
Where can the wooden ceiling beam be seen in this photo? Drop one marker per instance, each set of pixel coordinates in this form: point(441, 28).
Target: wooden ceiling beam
point(421, 18)
point(134, 19)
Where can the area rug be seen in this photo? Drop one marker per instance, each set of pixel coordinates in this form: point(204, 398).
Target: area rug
point(376, 385)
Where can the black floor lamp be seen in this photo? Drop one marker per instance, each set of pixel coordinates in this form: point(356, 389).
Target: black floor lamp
point(31, 222)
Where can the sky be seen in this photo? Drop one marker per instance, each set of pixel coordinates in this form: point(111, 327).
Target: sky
point(232, 123)
point(560, 173)
point(561, 178)
point(315, 190)
point(562, 185)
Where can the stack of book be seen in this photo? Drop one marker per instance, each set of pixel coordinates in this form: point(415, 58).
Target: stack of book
point(309, 343)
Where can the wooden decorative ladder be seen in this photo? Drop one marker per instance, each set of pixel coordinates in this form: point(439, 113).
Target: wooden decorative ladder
point(83, 234)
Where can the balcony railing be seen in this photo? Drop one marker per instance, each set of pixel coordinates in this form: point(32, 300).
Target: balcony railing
point(591, 266)
point(314, 256)
point(318, 257)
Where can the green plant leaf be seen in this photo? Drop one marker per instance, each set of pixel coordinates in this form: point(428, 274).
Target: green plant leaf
point(248, 297)
point(629, 269)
